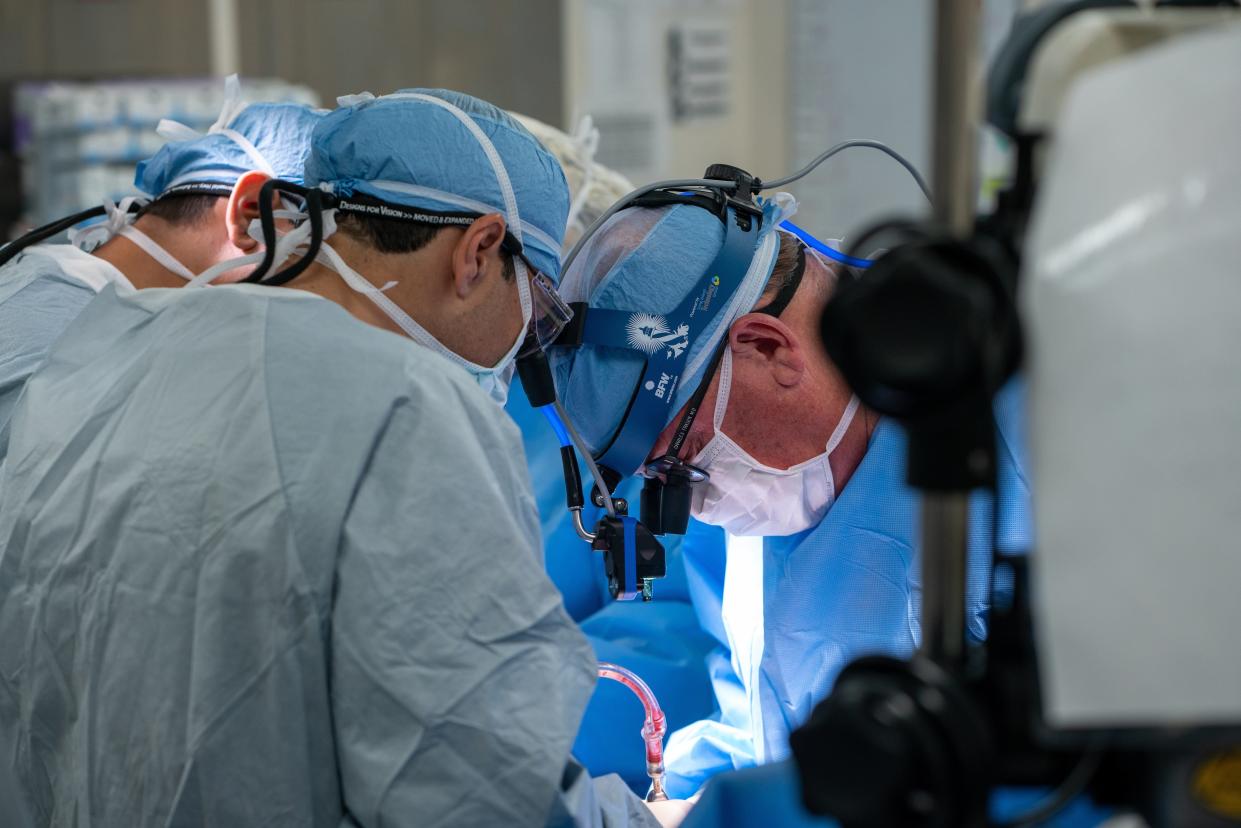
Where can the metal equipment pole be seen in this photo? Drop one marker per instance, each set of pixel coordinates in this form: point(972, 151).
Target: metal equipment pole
point(945, 515)
point(224, 37)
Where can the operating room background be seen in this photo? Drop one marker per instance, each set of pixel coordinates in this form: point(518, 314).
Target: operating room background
point(672, 84)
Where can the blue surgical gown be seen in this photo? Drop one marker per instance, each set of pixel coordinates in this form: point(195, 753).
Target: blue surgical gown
point(266, 565)
point(661, 641)
point(790, 612)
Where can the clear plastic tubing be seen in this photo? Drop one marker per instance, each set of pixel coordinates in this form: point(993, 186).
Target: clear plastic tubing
point(652, 729)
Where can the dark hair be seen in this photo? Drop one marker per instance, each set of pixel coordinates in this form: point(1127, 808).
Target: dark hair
point(181, 210)
point(387, 235)
point(398, 236)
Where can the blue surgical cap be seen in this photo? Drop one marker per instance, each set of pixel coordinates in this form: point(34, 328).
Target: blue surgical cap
point(407, 150)
point(277, 135)
point(647, 260)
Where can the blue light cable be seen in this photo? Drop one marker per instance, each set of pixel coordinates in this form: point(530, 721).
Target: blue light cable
point(830, 252)
point(562, 434)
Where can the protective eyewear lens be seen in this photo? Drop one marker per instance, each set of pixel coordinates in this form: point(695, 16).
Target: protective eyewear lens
point(549, 314)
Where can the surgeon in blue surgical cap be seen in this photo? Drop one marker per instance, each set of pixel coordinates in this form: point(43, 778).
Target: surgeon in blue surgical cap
point(271, 555)
point(202, 191)
point(818, 563)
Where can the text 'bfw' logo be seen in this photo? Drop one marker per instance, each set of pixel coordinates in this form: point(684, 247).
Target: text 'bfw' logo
point(649, 332)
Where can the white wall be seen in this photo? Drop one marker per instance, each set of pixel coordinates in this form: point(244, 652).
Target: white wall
point(863, 69)
point(617, 57)
point(859, 69)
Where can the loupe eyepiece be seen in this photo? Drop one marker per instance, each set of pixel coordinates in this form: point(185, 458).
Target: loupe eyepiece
point(667, 495)
point(670, 465)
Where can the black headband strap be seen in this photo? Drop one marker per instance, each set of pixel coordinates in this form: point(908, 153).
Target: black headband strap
point(210, 188)
point(371, 207)
point(788, 290)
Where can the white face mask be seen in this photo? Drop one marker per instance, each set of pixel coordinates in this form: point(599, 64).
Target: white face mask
point(493, 379)
point(746, 497)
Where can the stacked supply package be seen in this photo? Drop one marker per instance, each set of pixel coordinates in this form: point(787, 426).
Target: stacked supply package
point(78, 143)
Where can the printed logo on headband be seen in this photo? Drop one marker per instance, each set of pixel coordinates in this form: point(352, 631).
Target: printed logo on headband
point(380, 209)
point(712, 288)
point(649, 333)
point(198, 188)
point(662, 390)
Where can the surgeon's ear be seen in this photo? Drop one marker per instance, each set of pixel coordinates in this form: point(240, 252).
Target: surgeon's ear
point(771, 344)
point(243, 208)
point(475, 252)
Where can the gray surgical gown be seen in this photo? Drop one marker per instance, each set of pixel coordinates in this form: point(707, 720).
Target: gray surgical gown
point(264, 565)
point(42, 290)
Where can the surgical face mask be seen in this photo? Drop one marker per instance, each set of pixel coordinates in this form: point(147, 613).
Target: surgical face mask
point(493, 379)
point(746, 497)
